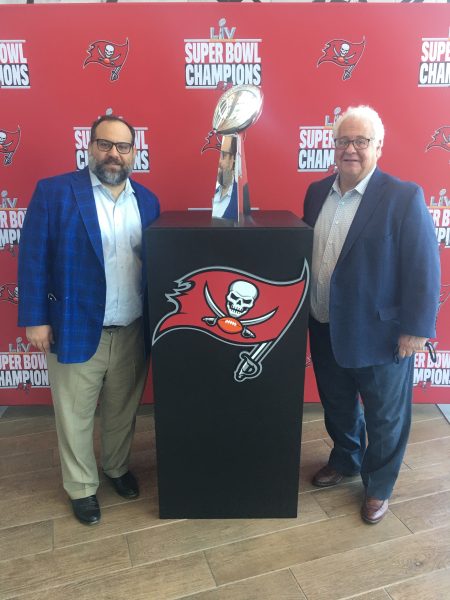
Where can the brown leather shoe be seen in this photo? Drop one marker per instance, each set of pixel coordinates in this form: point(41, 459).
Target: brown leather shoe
point(373, 509)
point(326, 477)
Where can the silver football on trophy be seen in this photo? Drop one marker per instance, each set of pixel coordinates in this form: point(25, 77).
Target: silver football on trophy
point(238, 108)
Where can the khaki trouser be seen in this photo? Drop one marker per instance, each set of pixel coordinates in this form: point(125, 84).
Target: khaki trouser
point(115, 377)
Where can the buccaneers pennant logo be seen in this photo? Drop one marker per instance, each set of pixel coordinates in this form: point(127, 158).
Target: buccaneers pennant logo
point(237, 308)
point(441, 138)
point(343, 54)
point(9, 292)
point(444, 295)
point(109, 55)
point(9, 140)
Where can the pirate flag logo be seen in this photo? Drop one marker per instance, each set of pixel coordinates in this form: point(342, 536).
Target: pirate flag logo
point(9, 140)
point(343, 54)
point(441, 139)
point(224, 85)
point(444, 295)
point(237, 308)
point(109, 55)
point(213, 142)
point(9, 292)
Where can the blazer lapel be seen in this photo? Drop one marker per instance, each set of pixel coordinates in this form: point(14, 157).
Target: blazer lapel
point(371, 197)
point(140, 205)
point(84, 196)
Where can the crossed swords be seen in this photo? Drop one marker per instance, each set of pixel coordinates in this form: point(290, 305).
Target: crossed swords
point(8, 155)
point(250, 363)
point(115, 71)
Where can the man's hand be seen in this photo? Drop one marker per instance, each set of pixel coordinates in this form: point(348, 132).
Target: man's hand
point(408, 344)
point(41, 336)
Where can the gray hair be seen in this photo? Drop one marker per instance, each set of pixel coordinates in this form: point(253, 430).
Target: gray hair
point(365, 113)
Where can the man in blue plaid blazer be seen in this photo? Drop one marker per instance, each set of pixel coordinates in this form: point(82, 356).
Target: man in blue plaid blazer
point(82, 293)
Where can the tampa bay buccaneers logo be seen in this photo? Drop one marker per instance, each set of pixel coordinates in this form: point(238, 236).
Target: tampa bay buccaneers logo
point(9, 292)
point(9, 140)
point(343, 54)
point(444, 295)
point(237, 308)
point(441, 139)
point(213, 142)
point(109, 55)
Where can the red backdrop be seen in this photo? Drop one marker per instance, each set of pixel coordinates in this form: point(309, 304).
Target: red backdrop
point(163, 67)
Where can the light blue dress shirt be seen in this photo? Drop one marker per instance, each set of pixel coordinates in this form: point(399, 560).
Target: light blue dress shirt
point(121, 231)
point(330, 231)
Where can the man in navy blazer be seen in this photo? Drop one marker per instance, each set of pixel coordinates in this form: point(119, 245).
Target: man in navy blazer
point(374, 299)
point(82, 293)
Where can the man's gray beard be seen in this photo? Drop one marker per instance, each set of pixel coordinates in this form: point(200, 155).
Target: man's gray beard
point(109, 177)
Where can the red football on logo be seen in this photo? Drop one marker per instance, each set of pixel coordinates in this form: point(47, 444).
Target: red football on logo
point(229, 325)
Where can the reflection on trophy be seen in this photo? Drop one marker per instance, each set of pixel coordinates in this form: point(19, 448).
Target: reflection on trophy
point(237, 109)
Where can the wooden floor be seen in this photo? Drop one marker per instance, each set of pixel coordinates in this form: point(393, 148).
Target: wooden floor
point(327, 553)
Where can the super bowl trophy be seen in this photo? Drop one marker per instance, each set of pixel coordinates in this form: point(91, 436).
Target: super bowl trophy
point(237, 109)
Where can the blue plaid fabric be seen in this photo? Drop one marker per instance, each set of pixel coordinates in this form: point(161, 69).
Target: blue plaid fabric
point(61, 271)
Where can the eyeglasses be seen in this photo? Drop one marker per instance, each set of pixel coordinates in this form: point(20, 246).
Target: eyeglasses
point(360, 143)
point(106, 145)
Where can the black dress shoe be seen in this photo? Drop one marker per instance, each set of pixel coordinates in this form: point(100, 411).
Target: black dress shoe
point(126, 485)
point(86, 510)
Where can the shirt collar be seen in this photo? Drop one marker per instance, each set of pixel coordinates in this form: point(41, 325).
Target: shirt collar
point(360, 188)
point(217, 196)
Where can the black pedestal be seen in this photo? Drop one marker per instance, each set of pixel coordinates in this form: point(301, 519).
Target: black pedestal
point(228, 366)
